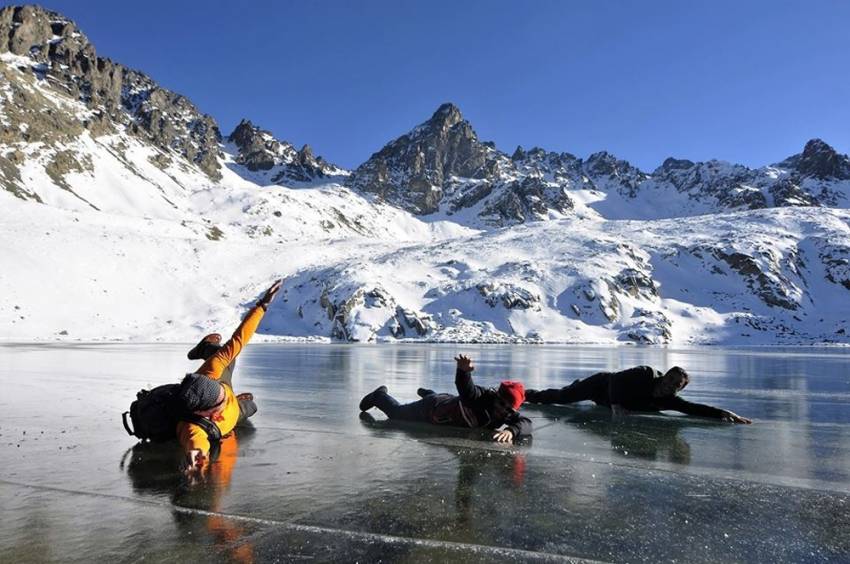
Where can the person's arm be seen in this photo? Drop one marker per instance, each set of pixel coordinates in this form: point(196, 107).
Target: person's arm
point(196, 446)
point(466, 389)
point(700, 410)
point(214, 366)
point(518, 426)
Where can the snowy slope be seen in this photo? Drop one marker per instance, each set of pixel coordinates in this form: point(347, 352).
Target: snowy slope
point(768, 276)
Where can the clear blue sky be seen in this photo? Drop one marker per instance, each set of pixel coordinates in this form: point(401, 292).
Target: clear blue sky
point(746, 81)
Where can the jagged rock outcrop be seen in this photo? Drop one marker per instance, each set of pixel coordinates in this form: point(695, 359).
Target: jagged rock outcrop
point(259, 151)
point(722, 185)
point(411, 171)
point(819, 160)
point(509, 296)
point(58, 52)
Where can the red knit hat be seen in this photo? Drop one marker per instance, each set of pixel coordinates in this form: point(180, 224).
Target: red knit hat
point(513, 392)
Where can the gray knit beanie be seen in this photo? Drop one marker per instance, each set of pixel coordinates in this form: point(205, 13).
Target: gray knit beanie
point(199, 392)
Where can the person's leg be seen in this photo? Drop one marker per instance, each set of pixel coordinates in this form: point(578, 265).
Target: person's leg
point(579, 390)
point(415, 411)
point(247, 407)
point(208, 347)
point(227, 374)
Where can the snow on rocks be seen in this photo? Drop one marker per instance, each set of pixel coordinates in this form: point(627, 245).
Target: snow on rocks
point(575, 281)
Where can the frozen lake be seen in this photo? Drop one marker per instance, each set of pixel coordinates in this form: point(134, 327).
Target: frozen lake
point(313, 482)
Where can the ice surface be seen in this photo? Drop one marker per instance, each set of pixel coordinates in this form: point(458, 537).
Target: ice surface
point(313, 481)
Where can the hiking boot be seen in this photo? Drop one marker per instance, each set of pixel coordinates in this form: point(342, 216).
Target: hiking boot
point(245, 396)
point(368, 401)
point(367, 418)
point(206, 347)
point(424, 392)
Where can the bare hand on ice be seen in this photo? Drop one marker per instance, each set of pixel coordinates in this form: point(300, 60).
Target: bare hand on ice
point(505, 436)
point(731, 417)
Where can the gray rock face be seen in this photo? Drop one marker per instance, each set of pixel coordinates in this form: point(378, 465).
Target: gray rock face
point(509, 296)
point(730, 186)
point(819, 160)
point(60, 52)
point(260, 151)
point(412, 170)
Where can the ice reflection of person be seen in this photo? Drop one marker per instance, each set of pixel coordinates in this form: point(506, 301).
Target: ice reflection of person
point(473, 407)
point(509, 475)
point(652, 438)
point(150, 468)
point(480, 471)
point(637, 389)
point(209, 391)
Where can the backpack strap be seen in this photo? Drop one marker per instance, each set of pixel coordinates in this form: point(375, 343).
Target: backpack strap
point(126, 425)
point(213, 432)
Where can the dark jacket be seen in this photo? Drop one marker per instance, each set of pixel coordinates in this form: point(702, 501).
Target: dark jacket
point(476, 406)
point(632, 390)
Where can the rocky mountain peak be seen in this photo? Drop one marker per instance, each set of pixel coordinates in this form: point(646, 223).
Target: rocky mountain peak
point(411, 171)
point(64, 59)
point(259, 150)
point(819, 160)
point(244, 133)
point(447, 115)
point(671, 164)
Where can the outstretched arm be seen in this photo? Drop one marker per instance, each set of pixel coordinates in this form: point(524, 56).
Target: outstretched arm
point(215, 365)
point(466, 389)
point(701, 410)
point(516, 426)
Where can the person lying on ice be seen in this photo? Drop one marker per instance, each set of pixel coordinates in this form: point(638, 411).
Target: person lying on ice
point(209, 393)
point(474, 406)
point(637, 389)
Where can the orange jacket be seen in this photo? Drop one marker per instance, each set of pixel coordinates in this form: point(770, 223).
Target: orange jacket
point(192, 436)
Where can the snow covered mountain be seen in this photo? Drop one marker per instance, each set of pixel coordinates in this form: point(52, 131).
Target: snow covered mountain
point(441, 169)
point(126, 215)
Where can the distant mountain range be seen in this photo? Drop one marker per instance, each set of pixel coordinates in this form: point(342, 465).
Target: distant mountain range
point(437, 236)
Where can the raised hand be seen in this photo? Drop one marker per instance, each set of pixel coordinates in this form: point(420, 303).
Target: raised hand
point(270, 294)
point(464, 363)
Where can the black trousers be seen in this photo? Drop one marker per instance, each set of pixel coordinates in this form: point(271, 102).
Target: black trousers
point(593, 388)
point(415, 411)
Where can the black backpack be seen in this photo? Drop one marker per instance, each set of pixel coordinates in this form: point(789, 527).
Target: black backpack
point(156, 412)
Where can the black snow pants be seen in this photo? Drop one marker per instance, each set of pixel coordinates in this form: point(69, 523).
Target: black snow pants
point(419, 410)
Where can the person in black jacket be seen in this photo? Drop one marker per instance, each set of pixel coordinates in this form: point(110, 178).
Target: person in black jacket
point(637, 389)
point(474, 406)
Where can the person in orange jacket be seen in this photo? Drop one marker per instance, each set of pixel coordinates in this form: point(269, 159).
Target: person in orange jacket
point(208, 394)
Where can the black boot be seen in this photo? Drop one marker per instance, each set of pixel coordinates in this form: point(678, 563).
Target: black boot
point(424, 392)
point(368, 401)
point(207, 347)
point(530, 395)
